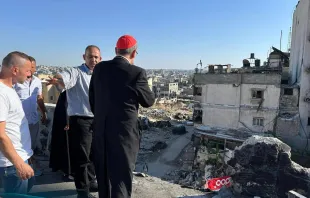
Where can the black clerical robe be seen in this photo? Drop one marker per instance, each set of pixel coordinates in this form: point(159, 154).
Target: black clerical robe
point(116, 90)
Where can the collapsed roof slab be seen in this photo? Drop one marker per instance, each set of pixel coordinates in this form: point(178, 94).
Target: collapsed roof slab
point(243, 78)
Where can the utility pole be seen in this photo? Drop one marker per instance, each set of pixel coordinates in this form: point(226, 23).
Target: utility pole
point(289, 40)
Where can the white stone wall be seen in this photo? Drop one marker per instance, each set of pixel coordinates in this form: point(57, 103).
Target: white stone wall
point(300, 59)
point(231, 106)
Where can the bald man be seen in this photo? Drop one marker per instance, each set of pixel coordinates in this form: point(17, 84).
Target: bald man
point(15, 141)
point(76, 83)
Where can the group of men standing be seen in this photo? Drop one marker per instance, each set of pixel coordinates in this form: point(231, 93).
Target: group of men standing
point(103, 98)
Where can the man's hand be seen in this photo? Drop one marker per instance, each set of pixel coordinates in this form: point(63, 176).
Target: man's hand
point(24, 171)
point(52, 81)
point(66, 127)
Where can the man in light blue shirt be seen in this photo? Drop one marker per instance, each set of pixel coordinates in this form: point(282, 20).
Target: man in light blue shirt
point(76, 82)
point(30, 93)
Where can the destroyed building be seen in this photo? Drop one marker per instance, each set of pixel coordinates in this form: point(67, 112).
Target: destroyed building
point(166, 89)
point(239, 100)
point(296, 98)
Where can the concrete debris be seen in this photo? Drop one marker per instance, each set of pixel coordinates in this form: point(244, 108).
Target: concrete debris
point(194, 179)
point(189, 123)
point(139, 174)
point(159, 146)
point(262, 166)
point(180, 116)
point(289, 116)
point(177, 111)
point(145, 123)
point(224, 193)
point(160, 124)
point(158, 114)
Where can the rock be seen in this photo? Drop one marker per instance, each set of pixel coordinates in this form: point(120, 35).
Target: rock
point(159, 146)
point(179, 130)
point(208, 171)
point(143, 123)
point(160, 124)
point(138, 174)
point(189, 123)
point(225, 193)
point(262, 167)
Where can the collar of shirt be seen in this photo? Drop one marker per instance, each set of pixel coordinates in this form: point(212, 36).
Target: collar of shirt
point(123, 57)
point(86, 69)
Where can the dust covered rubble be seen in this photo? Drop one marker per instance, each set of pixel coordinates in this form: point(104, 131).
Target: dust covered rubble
point(262, 166)
point(176, 111)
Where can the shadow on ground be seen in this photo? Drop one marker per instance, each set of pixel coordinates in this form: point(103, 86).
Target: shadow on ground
point(56, 193)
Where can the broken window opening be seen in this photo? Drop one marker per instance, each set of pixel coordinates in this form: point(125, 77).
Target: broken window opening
point(197, 91)
point(284, 82)
point(197, 116)
point(308, 121)
point(288, 91)
point(258, 121)
point(51, 97)
point(257, 94)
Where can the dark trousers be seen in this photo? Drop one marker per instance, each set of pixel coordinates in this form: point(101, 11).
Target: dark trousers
point(81, 135)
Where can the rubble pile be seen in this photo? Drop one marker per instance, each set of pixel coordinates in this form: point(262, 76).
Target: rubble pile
point(182, 116)
point(145, 123)
point(194, 179)
point(157, 114)
point(160, 124)
point(178, 111)
point(262, 166)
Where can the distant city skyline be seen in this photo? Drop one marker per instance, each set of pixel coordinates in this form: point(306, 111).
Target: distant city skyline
point(171, 35)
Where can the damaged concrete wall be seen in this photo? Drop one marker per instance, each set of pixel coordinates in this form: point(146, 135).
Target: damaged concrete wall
point(221, 94)
point(300, 59)
point(299, 40)
point(247, 116)
point(271, 96)
point(230, 106)
point(232, 78)
point(220, 117)
point(287, 126)
point(263, 79)
point(289, 98)
point(202, 79)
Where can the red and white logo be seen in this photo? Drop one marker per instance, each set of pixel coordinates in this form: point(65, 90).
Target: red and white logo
point(216, 184)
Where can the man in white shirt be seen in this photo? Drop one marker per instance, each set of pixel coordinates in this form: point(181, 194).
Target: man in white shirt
point(30, 93)
point(15, 142)
point(76, 83)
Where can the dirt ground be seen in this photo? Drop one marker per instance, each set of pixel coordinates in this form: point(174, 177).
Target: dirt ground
point(152, 187)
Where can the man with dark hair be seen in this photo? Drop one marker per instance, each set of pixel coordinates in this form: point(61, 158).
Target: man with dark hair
point(116, 89)
point(15, 141)
point(76, 83)
point(30, 93)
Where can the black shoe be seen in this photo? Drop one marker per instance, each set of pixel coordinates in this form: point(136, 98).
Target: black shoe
point(85, 195)
point(93, 187)
point(67, 178)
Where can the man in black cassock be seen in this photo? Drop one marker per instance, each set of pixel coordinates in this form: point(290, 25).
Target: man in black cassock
point(116, 89)
point(59, 151)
